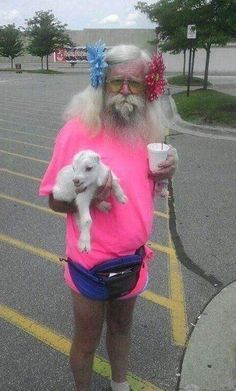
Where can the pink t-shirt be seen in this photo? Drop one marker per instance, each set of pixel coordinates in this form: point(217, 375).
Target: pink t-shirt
point(127, 226)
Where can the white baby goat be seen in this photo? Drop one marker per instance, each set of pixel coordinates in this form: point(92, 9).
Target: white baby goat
point(86, 174)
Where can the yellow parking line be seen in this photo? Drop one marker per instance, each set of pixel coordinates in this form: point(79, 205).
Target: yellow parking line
point(20, 174)
point(23, 156)
point(159, 247)
point(46, 255)
point(161, 214)
point(25, 143)
point(29, 204)
point(178, 307)
point(27, 133)
point(176, 302)
point(153, 245)
point(62, 345)
point(157, 299)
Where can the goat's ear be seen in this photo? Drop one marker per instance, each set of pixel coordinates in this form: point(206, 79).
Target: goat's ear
point(97, 159)
point(78, 156)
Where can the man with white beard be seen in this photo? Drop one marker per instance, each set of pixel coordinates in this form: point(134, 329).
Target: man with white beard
point(117, 116)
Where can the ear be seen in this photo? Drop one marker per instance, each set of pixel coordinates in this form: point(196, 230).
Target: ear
point(96, 159)
point(77, 156)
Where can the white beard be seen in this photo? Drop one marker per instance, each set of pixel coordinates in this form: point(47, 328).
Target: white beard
point(125, 116)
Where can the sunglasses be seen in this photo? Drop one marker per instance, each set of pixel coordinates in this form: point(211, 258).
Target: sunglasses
point(135, 87)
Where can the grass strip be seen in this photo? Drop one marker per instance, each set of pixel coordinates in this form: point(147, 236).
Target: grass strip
point(44, 71)
point(182, 80)
point(208, 107)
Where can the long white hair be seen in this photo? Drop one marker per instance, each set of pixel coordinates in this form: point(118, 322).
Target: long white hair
point(88, 104)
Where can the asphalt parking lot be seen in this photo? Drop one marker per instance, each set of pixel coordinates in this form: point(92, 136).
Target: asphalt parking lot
point(193, 240)
point(35, 311)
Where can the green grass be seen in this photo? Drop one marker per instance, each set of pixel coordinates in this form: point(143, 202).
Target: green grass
point(44, 71)
point(180, 80)
point(207, 107)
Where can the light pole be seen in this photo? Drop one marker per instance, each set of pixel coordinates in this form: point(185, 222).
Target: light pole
point(191, 34)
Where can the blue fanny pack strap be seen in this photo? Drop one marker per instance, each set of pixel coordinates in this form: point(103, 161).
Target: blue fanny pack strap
point(117, 262)
point(90, 284)
point(87, 283)
point(121, 261)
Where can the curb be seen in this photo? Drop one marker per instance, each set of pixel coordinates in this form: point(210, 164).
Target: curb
point(172, 119)
point(210, 348)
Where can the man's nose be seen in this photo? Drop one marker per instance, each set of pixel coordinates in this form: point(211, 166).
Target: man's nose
point(125, 88)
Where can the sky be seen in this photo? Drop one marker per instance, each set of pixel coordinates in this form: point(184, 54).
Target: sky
point(78, 14)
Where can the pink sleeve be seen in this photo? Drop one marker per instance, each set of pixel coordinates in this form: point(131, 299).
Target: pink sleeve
point(54, 166)
point(58, 160)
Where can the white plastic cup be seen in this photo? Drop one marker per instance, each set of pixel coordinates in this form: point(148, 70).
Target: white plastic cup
point(157, 152)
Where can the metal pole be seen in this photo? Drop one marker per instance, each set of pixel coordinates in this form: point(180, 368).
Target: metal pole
point(189, 67)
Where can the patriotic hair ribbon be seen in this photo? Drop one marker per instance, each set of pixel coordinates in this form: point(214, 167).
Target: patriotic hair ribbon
point(96, 59)
point(155, 81)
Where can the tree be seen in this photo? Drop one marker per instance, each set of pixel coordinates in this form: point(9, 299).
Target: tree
point(215, 21)
point(45, 34)
point(213, 27)
point(11, 43)
point(172, 28)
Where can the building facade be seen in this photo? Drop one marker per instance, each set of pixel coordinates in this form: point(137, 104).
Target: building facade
point(222, 60)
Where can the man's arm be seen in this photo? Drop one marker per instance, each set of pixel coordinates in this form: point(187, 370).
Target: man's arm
point(61, 206)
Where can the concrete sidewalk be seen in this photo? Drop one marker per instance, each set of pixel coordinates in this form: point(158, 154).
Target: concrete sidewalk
point(209, 362)
point(210, 358)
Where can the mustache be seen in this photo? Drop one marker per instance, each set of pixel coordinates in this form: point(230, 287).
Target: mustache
point(126, 106)
point(136, 101)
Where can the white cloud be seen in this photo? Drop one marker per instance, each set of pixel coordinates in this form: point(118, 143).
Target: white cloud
point(113, 18)
point(130, 23)
point(9, 16)
point(132, 17)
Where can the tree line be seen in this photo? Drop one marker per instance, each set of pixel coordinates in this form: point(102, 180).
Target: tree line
point(42, 35)
point(215, 22)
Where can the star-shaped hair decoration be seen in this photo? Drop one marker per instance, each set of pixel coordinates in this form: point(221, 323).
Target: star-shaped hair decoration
point(155, 81)
point(96, 59)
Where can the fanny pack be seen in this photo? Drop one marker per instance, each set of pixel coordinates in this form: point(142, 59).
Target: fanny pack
point(110, 279)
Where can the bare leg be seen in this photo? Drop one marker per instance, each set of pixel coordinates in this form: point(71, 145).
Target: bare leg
point(89, 316)
point(119, 322)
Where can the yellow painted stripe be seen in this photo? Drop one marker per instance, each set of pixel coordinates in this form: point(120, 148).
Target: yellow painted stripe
point(61, 344)
point(23, 156)
point(15, 107)
point(46, 255)
point(27, 133)
point(25, 143)
point(39, 180)
point(20, 174)
point(175, 303)
point(161, 214)
point(153, 245)
point(157, 299)
point(29, 204)
point(178, 308)
point(159, 247)
point(17, 123)
point(29, 248)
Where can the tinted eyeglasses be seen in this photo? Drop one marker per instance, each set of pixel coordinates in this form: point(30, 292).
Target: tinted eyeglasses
point(135, 87)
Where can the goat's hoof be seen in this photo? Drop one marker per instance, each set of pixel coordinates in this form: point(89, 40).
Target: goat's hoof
point(104, 206)
point(123, 199)
point(84, 246)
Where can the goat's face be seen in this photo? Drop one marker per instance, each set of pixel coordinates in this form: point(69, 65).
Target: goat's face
point(86, 168)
